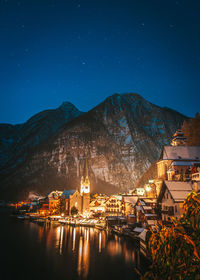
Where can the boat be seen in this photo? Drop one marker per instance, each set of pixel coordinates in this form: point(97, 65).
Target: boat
point(21, 217)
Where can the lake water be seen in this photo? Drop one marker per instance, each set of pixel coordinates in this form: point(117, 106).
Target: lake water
point(30, 251)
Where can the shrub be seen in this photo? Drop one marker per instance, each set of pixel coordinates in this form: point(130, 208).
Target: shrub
point(175, 250)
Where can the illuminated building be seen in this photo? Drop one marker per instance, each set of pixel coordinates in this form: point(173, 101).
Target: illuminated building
point(85, 188)
point(172, 197)
point(54, 200)
point(114, 205)
point(78, 199)
point(179, 139)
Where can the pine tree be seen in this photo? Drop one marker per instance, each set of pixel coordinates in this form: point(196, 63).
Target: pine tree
point(191, 130)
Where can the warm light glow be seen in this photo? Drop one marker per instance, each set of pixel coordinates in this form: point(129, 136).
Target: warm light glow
point(84, 254)
point(140, 191)
point(61, 240)
point(74, 240)
point(99, 242)
point(148, 188)
point(80, 253)
point(85, 189)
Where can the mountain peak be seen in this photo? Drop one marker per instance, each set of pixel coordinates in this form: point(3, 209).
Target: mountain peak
point(66, 106)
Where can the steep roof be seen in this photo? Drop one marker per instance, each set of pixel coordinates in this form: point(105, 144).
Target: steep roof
point(184, 163)
point(181, 153)
point(178, 190)
point(67, 193)
point(54, 194)
point(131, 199)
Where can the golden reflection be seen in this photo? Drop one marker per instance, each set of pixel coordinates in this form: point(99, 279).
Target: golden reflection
point(80, 253)
point(59, 239)
point(84, 254)
point(99, 242)
point(40, 233)
point(74, 239)
point(103, 240)
point(114, 248)
point(81, 239)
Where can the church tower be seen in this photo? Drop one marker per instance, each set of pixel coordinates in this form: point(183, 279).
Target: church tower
point(85, 187)
point(179, 139)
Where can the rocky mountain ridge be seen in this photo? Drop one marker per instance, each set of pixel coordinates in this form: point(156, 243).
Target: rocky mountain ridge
point(123, 135)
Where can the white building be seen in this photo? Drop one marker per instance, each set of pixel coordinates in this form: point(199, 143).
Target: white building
point(172, 197)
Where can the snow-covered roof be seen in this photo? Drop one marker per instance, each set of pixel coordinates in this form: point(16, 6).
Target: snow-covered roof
point(131, 199)
point(138, 208)
point(179, 196)
point(150, 200)
point(178, 185)
point(149, 215)
point(119, 197)
point(137, 229)
point(184, 163)
point(142, 202)
point(147, 207)
point(54, 194)
point(179, 190)
point(181, 152)
point(142, 235)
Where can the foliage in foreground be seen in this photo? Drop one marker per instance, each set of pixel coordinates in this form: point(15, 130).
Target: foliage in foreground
point(176, 250)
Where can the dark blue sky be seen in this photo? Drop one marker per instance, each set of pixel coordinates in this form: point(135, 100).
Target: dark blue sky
point(83, 51)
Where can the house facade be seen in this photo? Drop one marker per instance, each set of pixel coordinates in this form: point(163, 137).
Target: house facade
point(172, 198)
point(176, 161)
point(114, 205)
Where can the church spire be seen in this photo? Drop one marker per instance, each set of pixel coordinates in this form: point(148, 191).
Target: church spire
point(178, 138)
point(86, 166)
point(85, 182)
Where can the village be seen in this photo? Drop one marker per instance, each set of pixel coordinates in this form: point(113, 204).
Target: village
point(132, 214)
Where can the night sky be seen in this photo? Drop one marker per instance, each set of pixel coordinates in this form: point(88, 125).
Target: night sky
point(83, 51)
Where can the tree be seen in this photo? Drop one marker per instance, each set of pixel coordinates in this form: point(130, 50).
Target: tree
point(74, 211)
point(175, 250)
point(191, 130)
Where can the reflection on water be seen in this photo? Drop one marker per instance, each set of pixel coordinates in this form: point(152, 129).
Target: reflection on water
point(99, 242)
point(79, 240)
point(74, 253)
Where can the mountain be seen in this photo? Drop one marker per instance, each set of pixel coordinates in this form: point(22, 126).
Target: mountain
point(17, 140)
point(122, 136)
